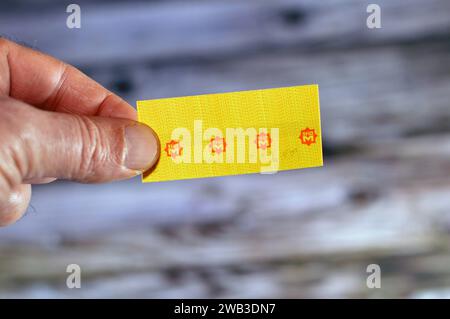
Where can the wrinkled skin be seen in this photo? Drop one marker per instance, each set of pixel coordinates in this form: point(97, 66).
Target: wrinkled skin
point(56, 123)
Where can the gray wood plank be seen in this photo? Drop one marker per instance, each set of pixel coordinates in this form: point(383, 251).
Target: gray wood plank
point(382, 198)
point(358, 220)
point(174, 30)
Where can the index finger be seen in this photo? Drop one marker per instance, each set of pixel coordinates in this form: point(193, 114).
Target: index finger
point(50, 84)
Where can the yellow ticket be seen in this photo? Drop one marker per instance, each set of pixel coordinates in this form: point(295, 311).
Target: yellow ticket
point(260, 131)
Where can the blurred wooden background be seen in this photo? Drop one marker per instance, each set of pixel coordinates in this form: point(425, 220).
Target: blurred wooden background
point(383, 196)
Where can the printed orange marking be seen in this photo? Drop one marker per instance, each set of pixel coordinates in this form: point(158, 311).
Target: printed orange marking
point(173, 149)
point(263, 141)
point(308, 136)
point(217, 145)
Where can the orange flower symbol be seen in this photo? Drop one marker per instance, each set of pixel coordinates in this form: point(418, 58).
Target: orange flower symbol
point(217, 145)
point(263, 140)
point(308, 136)
point(173, 149)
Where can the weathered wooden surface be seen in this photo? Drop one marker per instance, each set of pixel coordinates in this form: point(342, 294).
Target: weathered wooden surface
point(174, 30)
point(383, 196)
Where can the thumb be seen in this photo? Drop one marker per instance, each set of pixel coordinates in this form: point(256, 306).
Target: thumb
point(38, 144)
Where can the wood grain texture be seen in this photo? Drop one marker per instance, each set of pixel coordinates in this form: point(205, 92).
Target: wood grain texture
point(218, 29)
point(382, 196)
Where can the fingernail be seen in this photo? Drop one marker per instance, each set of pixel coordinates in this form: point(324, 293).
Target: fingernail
point(142, 147)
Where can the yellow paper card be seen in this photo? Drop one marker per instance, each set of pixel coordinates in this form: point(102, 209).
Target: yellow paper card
point(260, 131)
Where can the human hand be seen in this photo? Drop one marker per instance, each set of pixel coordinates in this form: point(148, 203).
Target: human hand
point(57, 123)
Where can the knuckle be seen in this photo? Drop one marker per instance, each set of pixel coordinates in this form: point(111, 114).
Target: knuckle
point(94, 147)
point(5, 46)
point(4, 43)
point(7, 219)
point(13, 163)
point(14, 205)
